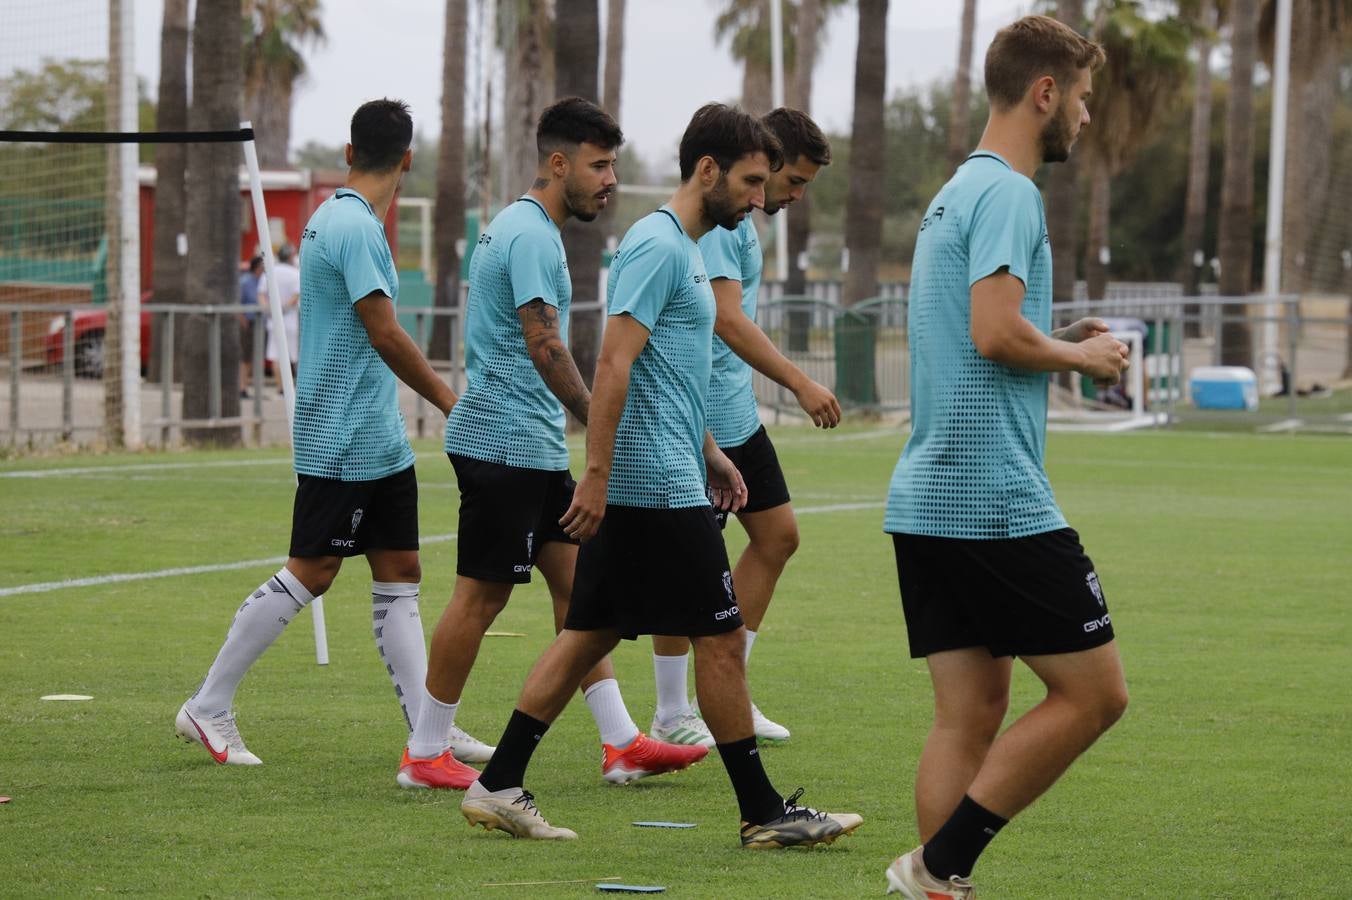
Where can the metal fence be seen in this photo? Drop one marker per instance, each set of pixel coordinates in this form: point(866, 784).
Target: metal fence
point(54, 358)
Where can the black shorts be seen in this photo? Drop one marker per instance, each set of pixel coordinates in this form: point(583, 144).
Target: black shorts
point(348, 518)
point(507, 513)
point(655, 571)
point(759, 464)
point(1027, 596)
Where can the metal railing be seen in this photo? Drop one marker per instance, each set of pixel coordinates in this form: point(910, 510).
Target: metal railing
point(55, 356)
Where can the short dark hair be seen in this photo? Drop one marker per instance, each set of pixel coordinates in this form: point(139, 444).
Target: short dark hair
point(572, 121)
point(382, 130)
point(726, 133)
point(799, 135)
point(1030, 48)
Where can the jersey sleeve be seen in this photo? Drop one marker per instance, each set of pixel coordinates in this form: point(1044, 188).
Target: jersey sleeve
point(648, 277)
point(722, 252)
point(359, 252)
point(533, 262)
point(1006, 228)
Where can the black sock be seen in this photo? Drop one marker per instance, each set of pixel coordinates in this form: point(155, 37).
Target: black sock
point(956, 845)
point(507, 768)
point(756, 796)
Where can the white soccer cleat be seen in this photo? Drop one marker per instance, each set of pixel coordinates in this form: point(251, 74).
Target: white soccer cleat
point(511, 810)
point(469, 749)
point(687, 728)
point(218, 733)
point(908, 876)
point(767, 731)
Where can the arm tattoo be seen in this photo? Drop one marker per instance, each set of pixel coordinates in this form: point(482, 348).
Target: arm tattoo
point(540, 325)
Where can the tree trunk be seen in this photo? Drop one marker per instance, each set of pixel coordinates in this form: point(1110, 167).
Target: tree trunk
point(864, 200)
point(1199, 164)
point(169, 270)
point(800, 214)
point(577, 39)
point(962, 90)
point(213, 222)
point(449, 212)
point(756, 85)
point(1236, 222)
point(1063, 186)
point(1298, 177)
point(1100, 200)
point(112, 196)
point(610, 97)
point(270, 112)
point(530, 88)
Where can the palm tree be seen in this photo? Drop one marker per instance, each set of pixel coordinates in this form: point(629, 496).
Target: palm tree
point(448, 215)
point(1199, 161)
point(962, 90)
point(273, 64)
point(1146, 69)
point(213, 221)
point(577, 47)
point(864, 202)
point(800, 97)
point(169, 270)
point(525, 30)
point(610, 94)
point(1235, 237)
point(746, 25)
point(1063, 193)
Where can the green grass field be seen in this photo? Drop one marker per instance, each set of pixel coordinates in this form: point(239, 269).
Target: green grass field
point(1225, 560)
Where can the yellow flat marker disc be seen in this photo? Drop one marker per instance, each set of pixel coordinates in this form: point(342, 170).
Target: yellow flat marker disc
point(67, 697)
point(507, 634)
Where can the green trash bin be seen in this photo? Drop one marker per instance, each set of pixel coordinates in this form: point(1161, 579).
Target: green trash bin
point(856, 341)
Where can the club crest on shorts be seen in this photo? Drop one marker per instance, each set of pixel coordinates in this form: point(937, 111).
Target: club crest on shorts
point(356, 519)
point(1092, 581)
point(727, 586)
point(530, 542)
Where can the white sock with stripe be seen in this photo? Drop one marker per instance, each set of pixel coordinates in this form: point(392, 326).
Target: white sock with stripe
point(672, 697)
point(399, 638)
point(612, 719)
point(260, 619)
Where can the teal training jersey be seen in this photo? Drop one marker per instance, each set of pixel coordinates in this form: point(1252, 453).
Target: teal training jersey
point(508, 415)
point(658, 277)
point(348, 425)
point(973, 467)
point(736, 255)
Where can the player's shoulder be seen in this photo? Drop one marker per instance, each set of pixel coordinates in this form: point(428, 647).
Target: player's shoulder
point(656, 232)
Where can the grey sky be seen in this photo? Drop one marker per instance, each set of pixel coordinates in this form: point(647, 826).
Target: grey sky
point(671, 63)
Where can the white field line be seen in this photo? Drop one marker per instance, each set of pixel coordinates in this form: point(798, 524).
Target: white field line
point(99, 580)
point(144, 467)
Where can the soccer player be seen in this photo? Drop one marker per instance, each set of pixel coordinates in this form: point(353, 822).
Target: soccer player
point(733, 261)
point(505, 439)
point(653, 560)
point(987, 566)
point(356, 492)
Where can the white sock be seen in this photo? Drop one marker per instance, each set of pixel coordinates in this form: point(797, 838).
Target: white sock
point(672, 699)
point(399, 638)
point(257, 624)
point(750, 639)
point(432, 729)
point(612, 719)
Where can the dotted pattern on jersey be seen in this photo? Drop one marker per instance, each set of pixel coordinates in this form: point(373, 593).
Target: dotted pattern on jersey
point(508, 415)
point(347, 424)
point(659, 456)
point(734, 414)
point(973, 466)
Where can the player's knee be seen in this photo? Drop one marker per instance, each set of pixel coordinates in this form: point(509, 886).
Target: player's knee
point(1112, 706)
point(780, 545)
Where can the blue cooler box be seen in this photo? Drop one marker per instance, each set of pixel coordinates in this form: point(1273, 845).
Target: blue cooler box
point(1223, 387)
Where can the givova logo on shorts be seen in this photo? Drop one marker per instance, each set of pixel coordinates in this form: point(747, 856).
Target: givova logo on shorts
point(732, 610)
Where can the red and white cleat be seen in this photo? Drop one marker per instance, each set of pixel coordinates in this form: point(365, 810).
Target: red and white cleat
point(644, 757)
point(218, 734)
point(444, 772)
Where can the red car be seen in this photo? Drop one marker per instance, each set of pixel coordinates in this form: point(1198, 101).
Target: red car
point(90, 326)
